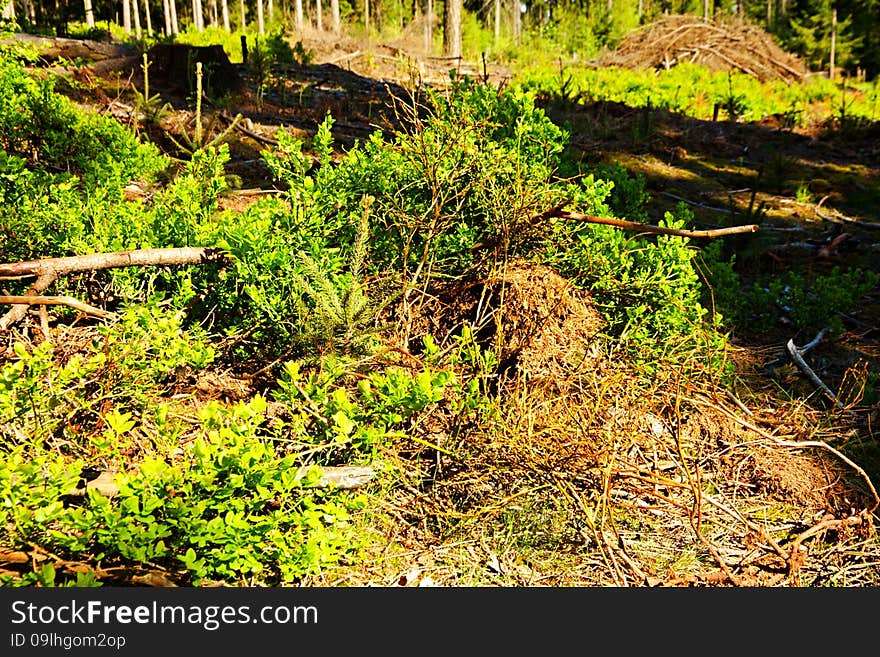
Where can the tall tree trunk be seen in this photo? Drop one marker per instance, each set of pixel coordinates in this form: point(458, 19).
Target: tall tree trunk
point(90, 14)
point(175, 28)
point(298, 16)
point(224, 9)
point(243, 17)
point(337, 21)
point(166, 13)
point(517, 22)
point(833, 42)
point(213, 13)
point(452, 28)
point(367, 18)
point(136, 15)
point(319, 16)
point(261, 27)
point(148, 18)
point(271, 7)
point(497, 24)
point(429, 26)
point(9, 10)
point(126, 16)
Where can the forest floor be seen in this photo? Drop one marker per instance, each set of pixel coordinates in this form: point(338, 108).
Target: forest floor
point(497, 514)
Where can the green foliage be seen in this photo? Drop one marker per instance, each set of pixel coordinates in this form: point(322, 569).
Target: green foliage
point(811, 302)
point(648, 288)
point(135, 359)
point(809, 33)
point(54, 135)
point(694, 91)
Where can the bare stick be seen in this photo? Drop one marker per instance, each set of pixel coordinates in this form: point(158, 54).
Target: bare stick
point(56, 301)
point(798, 358)
point(16, 313)
point(646, 228)
point(839, 218)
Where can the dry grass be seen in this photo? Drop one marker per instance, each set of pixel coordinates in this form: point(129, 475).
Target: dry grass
point(591, 474)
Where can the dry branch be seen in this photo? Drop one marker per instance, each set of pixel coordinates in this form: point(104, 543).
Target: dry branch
point(56, 301)
point(840, 218)
point(646, 228)
point(48, 270)
point(797, 357)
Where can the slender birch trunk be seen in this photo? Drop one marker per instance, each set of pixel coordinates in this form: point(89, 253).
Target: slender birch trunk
point(298, 16)
point(175, 28)
point(166, 14)
point(452, 28)
point(429, 26)
point(224, 9)
point(497, 23)
point(136, 15)
point(147, 18)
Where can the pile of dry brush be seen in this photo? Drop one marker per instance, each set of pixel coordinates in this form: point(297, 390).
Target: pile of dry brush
point(729, 45)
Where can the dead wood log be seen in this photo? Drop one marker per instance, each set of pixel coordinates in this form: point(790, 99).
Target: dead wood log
point(48, 270)
point(52, 48)
point(347, 477)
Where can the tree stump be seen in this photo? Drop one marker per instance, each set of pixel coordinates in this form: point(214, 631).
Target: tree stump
point(175, 64)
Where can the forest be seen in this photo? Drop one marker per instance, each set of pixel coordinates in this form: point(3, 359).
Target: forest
point(518, 294)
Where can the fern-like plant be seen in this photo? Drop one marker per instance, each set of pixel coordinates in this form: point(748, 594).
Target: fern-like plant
point(343, 318)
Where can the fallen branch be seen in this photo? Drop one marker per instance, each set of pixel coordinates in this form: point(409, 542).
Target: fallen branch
point(797, 357)
point(840, 218)
point(645, 228)
point(347, 477)
point(56, 301)
point(48, 270)
point(342, 58)
point(230, 121)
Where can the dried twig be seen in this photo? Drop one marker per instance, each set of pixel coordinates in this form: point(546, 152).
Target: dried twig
point(56, 301)
point(840, 218)
point(644, 228)
point(797, 357)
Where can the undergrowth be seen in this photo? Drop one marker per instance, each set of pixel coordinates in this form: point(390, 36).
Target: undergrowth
point(321, 284)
